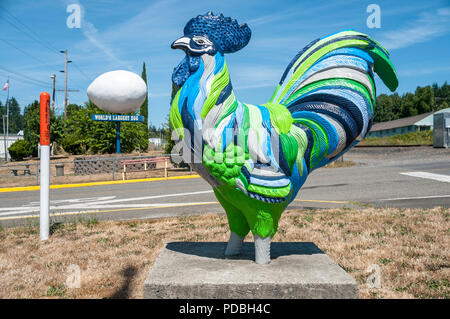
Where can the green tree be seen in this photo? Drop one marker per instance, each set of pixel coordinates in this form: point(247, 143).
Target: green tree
point(424, 100)
point(15, 117)
point(144, 107)
point(396, 105)
point(408, 106)
point(442, 95)
point(77, 127)
point(32, 125)
point(383, 109)
point(84, 135)
point(443, 105)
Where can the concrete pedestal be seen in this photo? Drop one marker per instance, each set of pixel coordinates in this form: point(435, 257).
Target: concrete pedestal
point(199, 270)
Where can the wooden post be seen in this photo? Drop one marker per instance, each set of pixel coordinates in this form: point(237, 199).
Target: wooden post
point(165, 169)
point(124, 172)
point(113, 169)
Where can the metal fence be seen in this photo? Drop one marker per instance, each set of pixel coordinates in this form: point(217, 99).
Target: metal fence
point(81, 166)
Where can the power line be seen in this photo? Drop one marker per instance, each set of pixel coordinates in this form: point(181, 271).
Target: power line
point(27, 81)
point(37, 38)
point(81, 72)
point(24, 76)
point(24, 52)
point(27, 34)
point(41, 41)
point(20, 77)
point(30, 33)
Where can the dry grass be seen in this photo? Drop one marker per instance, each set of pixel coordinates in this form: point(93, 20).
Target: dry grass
point(340, 163)
point(412, 138)
point(410, 246)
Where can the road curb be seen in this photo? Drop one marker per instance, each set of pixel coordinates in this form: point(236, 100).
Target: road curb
point(154, 179)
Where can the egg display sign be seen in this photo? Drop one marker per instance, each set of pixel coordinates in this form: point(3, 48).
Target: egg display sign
point(118, 91)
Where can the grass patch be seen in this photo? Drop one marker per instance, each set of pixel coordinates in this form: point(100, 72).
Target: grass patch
point(413, 138)
point(359, 204)
point(55, 291)
point(112, 255)
point(384, 261)
point(91, 222)
point(438, 284)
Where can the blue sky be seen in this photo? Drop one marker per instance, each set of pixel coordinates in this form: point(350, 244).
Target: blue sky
point(123, 34)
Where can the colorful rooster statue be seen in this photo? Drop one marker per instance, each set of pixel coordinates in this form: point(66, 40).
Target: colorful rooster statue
point(257, 157)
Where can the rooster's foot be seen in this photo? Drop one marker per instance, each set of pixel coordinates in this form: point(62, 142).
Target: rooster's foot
point(234, 245)
point(262, 249)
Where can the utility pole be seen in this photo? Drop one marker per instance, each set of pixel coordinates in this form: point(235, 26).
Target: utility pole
point(65, 79)
point(53, 92)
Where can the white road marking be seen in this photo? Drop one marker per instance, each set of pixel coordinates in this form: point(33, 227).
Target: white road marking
point(93, 203)
point(418, 197)
point(114, 210)
point(436, 177)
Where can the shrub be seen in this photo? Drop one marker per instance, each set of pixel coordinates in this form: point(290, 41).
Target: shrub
point(73, 145)
point(20, 149)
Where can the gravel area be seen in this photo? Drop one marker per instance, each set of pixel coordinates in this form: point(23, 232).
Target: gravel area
point(371, 155)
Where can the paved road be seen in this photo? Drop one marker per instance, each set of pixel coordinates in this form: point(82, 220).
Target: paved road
point(422, 181)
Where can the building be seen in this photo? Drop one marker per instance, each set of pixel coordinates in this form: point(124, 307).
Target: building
point(156, 141)
point(421, 122)
point(441, 129)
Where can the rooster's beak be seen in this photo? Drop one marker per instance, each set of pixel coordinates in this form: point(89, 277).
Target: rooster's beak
point(181, 43)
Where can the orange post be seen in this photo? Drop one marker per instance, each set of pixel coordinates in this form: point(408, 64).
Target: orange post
point(45, 118)
point(44, 219)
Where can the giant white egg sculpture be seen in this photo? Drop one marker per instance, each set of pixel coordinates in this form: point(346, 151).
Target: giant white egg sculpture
point(118, 91)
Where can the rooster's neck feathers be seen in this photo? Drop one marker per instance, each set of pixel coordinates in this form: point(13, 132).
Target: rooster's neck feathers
point(205, 92)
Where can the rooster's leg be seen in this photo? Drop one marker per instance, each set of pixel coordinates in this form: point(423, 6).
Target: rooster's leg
point(234, 245)
point(262, 249)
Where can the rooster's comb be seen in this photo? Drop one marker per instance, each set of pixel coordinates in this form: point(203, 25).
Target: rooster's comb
point(227, 33)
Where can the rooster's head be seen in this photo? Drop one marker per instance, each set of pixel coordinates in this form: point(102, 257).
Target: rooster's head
point(207, 34)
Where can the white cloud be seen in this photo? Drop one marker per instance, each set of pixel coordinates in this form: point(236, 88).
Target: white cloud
point(255, 76)
point(92, 35)
point(415, 72)
point(428, 26)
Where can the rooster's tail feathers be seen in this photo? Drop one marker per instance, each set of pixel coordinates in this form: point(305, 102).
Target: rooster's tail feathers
point(329, 90)
point(344, 43)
